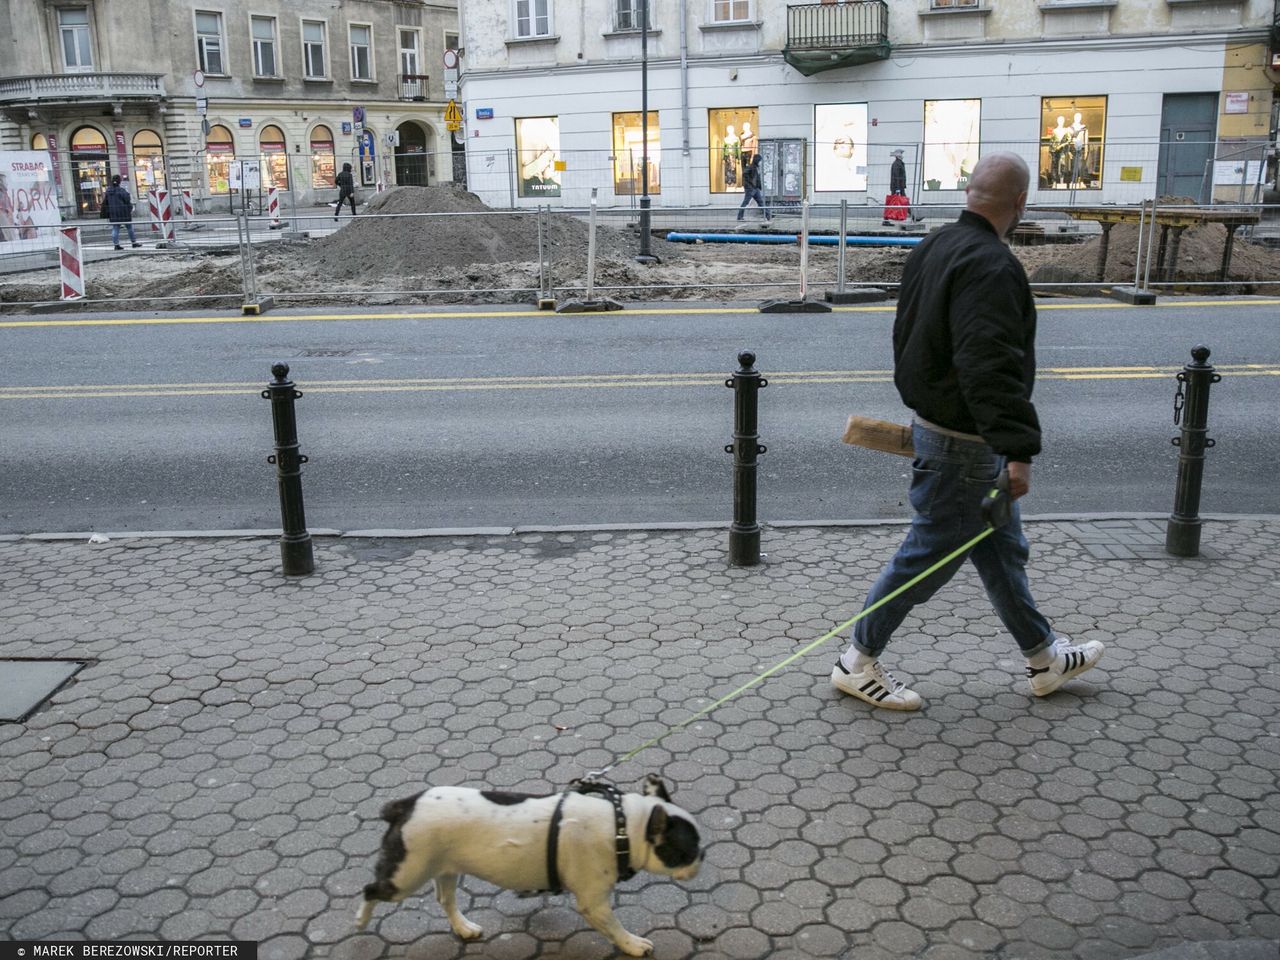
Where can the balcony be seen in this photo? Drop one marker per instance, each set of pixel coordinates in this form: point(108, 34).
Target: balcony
point(826, 36)
point(413, 86)
point(81, 88)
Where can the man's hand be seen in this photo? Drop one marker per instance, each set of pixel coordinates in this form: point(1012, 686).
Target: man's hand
point(1019, 478)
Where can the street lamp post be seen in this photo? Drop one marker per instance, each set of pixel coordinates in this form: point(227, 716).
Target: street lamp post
point(645, 255)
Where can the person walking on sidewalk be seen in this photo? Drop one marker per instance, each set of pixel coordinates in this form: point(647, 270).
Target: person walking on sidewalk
point(751, 188)
point(964, 362)
point(346, 185)
point(119, 207)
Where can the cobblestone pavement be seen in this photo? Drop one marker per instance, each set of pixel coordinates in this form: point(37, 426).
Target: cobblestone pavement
point(217, 767)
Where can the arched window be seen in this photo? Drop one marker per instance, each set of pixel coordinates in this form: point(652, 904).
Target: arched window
point(219, 151)
point(39, 141)
point(322, 161)
point(148, 161)
point(90, 169)
point(275, 157)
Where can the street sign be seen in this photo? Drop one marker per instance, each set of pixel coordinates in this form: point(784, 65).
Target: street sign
point(452, 112)
point(357, 115)
point(202, 106)
point(391, 138)
point(484, 113)
point(451, 59)
point(198, 77)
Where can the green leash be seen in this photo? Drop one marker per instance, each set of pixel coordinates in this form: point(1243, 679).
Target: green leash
point(992, 502)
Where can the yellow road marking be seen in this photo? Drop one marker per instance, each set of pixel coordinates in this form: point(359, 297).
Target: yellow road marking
point(566, 382)
point(525, 314)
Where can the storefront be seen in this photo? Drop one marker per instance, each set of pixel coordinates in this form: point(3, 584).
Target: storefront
point(733, 134)
point(1072, 131)
point(538, 160)
point(219, 151)
point(148, 161)
point(629, 138)
point(275, 158)
point(90, 169)
point(322, 158)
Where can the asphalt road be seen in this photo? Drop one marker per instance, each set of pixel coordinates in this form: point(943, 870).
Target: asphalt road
point(469, 417)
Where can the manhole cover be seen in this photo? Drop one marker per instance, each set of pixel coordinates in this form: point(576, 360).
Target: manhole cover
point(25, 684)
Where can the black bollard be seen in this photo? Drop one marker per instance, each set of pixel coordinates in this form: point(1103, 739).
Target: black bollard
point(744, 533)
point(295, 544)
point(1182, 538)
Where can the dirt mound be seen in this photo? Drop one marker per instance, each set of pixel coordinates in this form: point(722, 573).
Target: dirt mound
point(394, 239)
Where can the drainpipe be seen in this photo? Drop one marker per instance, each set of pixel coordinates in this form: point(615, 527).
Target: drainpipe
point(684, 98)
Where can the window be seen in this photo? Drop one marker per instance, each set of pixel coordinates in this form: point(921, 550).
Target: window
point(412, 83)
point(148, 161)
point(451, 41)
point(627, 14)
point(313, 63)
point(840, 147)
point(1072, 131)
point(90, 168)
point(951, 141)
point(219, 151)
point(322, 158)
point(209, 42)
point(361, 37)
point(73, 27)
point(732, 135)
point(629, 153)
point(264, 46)
point(275, 157)
point(532, 18)
point(538, 156)
point(950, 4)
point(728, 11)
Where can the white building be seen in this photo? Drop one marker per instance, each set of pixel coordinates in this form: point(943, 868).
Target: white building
point(1107, 100)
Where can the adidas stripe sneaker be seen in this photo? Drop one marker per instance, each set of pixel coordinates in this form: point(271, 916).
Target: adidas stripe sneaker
point(1069, 660)
point(876, 685)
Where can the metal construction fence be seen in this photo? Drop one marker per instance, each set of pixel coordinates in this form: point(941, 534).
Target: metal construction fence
point(543, 254)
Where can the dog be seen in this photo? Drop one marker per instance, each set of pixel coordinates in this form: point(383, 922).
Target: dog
point(444, 833)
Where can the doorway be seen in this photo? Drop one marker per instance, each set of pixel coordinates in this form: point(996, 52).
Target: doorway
point(1188, 129)
point(90, 168)
point(411, 155)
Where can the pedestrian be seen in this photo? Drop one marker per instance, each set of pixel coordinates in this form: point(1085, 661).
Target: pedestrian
point(898, 188)
point(964, 362)
point(119, 207)
point(751, 188)
point(346, 185)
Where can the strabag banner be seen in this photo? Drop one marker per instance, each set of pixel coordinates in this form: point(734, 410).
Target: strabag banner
point(28, 203)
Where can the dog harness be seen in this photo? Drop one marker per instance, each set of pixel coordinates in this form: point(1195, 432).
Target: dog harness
point(621, 842)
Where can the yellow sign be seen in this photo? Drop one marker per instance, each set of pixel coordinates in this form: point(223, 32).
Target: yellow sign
point(561, 165)
point(452, 114)
point(453, 124)
point(1131, 174)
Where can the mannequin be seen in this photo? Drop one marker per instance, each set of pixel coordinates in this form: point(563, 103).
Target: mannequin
point(748, 140)
point(730, 152)
point(1079, 150)
point(1059, 153)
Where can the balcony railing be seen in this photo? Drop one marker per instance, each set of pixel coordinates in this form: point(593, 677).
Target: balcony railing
point(824, 36)
point(71, 87)
point(413, 86)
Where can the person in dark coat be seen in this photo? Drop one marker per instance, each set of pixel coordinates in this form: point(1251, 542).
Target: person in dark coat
point(346, 190)
point(752, 188)
point(964, 362)
point(898, 183)
point(119, 207)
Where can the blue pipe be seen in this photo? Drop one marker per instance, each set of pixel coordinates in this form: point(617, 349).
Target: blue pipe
point(819, 240)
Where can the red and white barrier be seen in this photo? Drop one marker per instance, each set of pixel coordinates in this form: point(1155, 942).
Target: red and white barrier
point(71, 262)
point(273, 207)
point(188, 206)
point(153, 210)
point(164, 213)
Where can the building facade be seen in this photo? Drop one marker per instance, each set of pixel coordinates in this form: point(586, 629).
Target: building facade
point(1107, 100)
point(226, 97)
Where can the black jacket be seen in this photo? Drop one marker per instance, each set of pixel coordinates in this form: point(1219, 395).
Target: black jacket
point(898, 176)
point(751, 176)
point(119, 204)
point(964, 337)
point(345, 182)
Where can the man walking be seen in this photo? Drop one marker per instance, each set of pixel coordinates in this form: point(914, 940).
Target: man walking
point(119, 207)
point(752, 188)
point(964, 361)
point(346, 190)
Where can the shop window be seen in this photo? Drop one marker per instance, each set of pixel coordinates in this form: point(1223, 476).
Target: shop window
point(313, 56)
point(733, 136)
point(840, 146)
point(90, 168)
point(322, 157)
point(209, 42)
point(264, 46)
point(275, 158)
point(219, 151)
point(730, 11)
point(1072, 131)
point(951, 141)
point(148, 161)
point(361, 36)
point(628, 153)
point(538, 156)
point(531, 18)
point(73, 30)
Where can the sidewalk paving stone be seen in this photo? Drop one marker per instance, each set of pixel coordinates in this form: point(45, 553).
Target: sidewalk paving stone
point(216, 768)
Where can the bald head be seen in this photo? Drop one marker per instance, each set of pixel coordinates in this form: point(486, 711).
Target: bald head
point(997, 189)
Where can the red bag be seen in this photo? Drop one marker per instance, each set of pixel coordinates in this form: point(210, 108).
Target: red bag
point(895, 207)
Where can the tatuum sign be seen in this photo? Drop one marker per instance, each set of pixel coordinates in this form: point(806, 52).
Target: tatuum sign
point(28, 204)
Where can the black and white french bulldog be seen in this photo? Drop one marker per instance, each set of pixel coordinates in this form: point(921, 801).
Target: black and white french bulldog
point(448, 832)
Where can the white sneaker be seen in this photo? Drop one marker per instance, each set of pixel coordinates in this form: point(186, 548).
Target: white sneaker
point(876, 685)
point(1070, 660)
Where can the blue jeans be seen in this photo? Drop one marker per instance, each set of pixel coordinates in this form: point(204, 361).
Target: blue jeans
point(115, 233)
point(756, 194)
point(948, 480)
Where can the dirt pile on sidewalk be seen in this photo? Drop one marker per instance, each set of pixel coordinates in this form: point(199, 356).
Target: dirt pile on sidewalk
point(393, 239)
